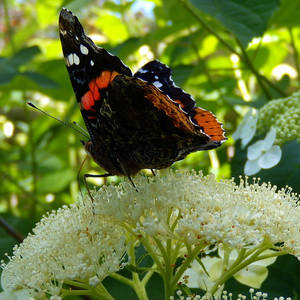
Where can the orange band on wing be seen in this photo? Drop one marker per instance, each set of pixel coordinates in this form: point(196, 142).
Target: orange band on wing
point(87, 100)
point(209, 123)
point(101, 82)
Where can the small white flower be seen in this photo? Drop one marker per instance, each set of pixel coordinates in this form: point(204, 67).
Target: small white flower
point(263, 154)
point(205, 211)
point(246, 130)
point(17, 295)
point(68, 244)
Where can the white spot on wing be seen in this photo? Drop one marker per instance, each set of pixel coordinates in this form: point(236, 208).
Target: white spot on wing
point(143, 71)
point(76, 37)
point(92, 62)
point(156, 77)
point(84, 50)
point(76, 59)
point(70, 59)
point(157, 84)
point(63, 32)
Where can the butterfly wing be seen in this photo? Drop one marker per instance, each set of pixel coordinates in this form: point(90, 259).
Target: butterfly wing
point(91, 68)
point(160, 75)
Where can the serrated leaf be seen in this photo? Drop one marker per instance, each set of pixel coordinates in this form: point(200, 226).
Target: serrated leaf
point(245, 19)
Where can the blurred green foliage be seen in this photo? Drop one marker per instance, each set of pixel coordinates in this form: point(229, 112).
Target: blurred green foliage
point(230, 55)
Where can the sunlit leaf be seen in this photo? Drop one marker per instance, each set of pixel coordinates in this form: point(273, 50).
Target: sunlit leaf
point(287, 15)
point(246, 19)
point(47, 12)
point(55, 182)
point(113, 27)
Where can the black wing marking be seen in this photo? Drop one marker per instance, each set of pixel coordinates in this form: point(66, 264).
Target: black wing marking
point(160, 75)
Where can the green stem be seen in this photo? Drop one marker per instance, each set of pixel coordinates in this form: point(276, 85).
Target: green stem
point(185, 265)
point(238, 265)
point(206, 70)
point(101, 292)
point(244, 57)
point(122, 279)
point(148, 275)
point(139, 287)
point(207, 27)
point(9, 28)
point(295, 53)
point(33, 161)
point(66, 292)
point(258, 76)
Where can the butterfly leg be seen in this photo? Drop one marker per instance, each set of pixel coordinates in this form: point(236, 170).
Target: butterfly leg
point(131, 181)
point(125, 173)
point(85, 176)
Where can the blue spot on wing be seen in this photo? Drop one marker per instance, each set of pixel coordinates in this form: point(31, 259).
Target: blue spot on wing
point(160, 75)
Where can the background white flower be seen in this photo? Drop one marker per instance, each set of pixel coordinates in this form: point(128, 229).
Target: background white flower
point(247, 128)
point(263, 154)
point(253, 275)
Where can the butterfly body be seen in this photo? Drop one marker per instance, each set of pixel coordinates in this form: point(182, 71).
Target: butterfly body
point(134, 121)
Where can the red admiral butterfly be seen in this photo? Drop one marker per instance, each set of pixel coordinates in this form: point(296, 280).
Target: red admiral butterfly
point(140, 121)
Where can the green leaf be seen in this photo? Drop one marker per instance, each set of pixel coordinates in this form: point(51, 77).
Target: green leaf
point(7, 242)
point(123, 50)
point(181, 73)
point(55, 182)
point(244, 18)
point(287, 15)
point(113, 27)
point(24, 56)
point(7, 71)
point(41, 80)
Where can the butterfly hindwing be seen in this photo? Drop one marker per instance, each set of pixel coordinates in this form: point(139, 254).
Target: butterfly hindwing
point(160, 75)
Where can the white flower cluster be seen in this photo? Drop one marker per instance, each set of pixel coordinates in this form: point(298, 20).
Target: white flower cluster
point(69, 244)
point(204, 210)
point(284, 116)
point(225, 295)
point(85, 242)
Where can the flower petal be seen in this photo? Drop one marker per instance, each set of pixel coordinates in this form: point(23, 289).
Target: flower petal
point(269, 139)
point(255, 150)
point(251, 167)
point(253, 275)
point(247, 128)
point(197, 278)
point(271, 158)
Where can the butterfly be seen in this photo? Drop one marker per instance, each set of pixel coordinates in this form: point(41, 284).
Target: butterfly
point(135, 121)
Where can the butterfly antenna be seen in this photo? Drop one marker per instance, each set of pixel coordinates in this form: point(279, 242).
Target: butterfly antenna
point(83, 130)
point(85, 134)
